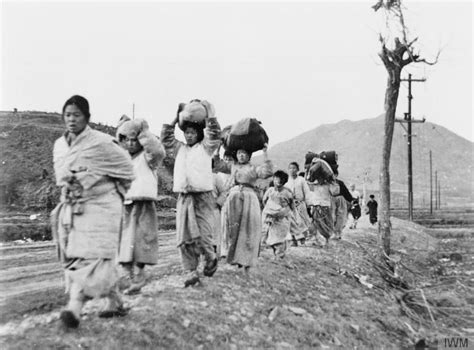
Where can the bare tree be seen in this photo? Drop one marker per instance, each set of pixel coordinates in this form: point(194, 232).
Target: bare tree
point(395, 56)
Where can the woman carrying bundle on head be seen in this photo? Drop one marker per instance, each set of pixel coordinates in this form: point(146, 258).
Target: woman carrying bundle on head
point(192, 180)
point(94, 174)
point(300, 221)
point(139, 240)
point(242, 219)
point(277, 214)
point(324, 184)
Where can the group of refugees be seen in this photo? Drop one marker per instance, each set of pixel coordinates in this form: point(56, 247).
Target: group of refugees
point(109, 187)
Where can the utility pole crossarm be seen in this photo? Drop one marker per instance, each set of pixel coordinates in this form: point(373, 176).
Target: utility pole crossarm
point(398, 120)
point(421, 79)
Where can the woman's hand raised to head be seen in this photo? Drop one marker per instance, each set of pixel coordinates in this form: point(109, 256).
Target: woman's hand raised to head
point(211, 111)
point(176, 119)
point(143, 125)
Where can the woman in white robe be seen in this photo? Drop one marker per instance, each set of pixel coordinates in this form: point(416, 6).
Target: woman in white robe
point(94, 174)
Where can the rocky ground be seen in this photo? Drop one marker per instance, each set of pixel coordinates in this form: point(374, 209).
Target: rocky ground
point(339, 296)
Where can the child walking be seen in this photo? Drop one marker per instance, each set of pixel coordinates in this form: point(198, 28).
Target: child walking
point(277, 213)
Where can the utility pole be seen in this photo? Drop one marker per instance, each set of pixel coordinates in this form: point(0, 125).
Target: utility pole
point(436, 189)
point(431, 184)
point(439, 194)
point(133, 111)
point(408, 119)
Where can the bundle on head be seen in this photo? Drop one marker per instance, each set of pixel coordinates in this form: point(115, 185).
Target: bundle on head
point(331, 158)
point(308, 158)
point(191, 113)
point(131, 128)
point(246, 134)
point(320, 171)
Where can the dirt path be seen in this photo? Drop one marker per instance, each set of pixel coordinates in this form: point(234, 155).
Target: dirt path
point(30, 274)
point(315, 298)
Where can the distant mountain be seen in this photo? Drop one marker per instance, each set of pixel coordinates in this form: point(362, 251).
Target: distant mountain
point(27, 176)
point(359, 147)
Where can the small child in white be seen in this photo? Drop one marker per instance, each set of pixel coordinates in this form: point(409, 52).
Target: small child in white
point(277, 213)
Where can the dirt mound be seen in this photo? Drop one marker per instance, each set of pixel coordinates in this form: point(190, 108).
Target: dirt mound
point(315, 298)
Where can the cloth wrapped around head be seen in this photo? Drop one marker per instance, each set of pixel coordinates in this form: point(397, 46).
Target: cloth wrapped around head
point(131, 128)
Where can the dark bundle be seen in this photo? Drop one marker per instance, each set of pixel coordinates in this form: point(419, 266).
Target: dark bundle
point(320, 171)
point(331, 158)
point(308, 158)
point(247, 134)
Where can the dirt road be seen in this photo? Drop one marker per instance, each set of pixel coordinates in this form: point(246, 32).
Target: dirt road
point(30, 273)
point(325, 298)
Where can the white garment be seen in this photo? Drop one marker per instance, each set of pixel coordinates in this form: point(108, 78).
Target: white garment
point(322, 194)
point(355, 194)
point(145, 185)
point(300, 189)
point(193, 169)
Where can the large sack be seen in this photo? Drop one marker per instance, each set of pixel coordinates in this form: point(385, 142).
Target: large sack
point(193, 112)
point(329, 156)
point(320, 171)
point(246, 134)
point(308, 158)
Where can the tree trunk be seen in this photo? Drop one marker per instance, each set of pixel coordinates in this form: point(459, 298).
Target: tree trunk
point(391, 98)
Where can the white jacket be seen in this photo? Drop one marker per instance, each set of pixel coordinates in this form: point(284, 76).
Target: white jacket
point(193, 165)
point(193, 169)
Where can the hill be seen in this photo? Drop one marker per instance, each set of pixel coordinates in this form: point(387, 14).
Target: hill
point(26, 172)
point(27, 138)
point(359, 147)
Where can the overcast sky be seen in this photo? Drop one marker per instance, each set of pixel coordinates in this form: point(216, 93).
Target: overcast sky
point(294, 66)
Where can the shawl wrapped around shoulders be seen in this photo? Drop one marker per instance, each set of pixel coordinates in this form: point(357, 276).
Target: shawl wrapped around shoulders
point(94, 173)
point(91, 156)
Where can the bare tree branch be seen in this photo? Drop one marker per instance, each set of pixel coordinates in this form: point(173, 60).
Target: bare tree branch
point(423, 60)
point(378, 5)
point(412, 42)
